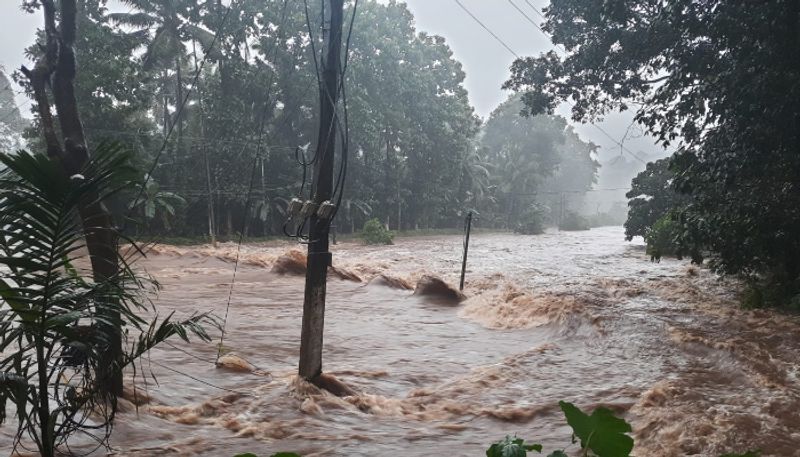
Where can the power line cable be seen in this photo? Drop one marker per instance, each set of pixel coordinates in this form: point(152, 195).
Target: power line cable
point(549, 37)
point(532, 21)
point(267, 102)
point(536, 10)
point(201, 381)
point(508, 48)
point(622, 146)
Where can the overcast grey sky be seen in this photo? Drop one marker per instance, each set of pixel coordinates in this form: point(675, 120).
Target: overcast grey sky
point(486, 61)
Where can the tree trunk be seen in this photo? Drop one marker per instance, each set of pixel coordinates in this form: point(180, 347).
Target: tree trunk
point(101, 240)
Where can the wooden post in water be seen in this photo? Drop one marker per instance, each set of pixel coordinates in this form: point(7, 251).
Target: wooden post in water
point(319, 257)
point(466, 250)
point(211, 217)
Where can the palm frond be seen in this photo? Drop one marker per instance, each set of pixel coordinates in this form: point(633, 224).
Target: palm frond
point(57, 325)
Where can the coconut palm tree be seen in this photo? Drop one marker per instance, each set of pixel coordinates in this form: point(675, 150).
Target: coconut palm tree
point(168, 31)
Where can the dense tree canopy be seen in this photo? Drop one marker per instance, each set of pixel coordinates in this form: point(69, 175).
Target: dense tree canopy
point(418, 155)
point(721, 79)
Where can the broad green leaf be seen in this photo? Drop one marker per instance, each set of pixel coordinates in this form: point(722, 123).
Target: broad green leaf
point(512, 447)
point(602, 432)
point(746, 454)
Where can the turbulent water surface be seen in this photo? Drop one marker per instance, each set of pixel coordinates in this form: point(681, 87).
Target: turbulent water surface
point(580, 316)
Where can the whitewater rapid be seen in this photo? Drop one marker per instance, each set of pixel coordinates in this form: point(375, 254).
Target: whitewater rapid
point(576, 316)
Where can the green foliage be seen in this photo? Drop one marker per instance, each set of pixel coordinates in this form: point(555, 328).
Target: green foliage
point(153, 201)
point(765, 292)
point(413, 162)
point(710, 78)
point(417, 159)
point(375, 233)
point(602, 432)
point(651, 197)
point(58, 325)
point(512, 447)
point(531, 222)
point(655, 214)
point(573, 221)
point(661, 238)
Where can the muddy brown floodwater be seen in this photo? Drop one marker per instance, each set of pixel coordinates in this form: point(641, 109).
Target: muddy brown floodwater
point(580, 316)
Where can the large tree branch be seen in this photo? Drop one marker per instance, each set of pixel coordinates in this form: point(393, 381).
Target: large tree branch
point(39, 77)
point(64, 91)
point(58, 60)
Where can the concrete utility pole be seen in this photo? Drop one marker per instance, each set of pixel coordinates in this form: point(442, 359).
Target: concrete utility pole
point(319, 258)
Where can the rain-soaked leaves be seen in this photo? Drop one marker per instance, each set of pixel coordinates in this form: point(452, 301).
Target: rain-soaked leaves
point(512, 447)
point(602, 432)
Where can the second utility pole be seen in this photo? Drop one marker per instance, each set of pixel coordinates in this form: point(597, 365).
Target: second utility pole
point(319, 258)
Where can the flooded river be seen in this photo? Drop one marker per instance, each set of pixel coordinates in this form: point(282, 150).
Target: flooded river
point(579, 316)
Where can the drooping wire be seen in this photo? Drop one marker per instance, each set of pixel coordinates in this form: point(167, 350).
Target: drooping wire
point(311, 40)
point(238, 255)
point(346, 134)
point(206, 53)
point(336, 126)
point(509, 49)
point(499, 40)
point(201, 381)
point(256, 159)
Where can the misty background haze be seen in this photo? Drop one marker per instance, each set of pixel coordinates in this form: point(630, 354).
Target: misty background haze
point(485, 60)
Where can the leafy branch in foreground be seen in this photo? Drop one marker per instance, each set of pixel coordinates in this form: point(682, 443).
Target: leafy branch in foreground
point(600, 434)
point(56, 323)
point(512, 447)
